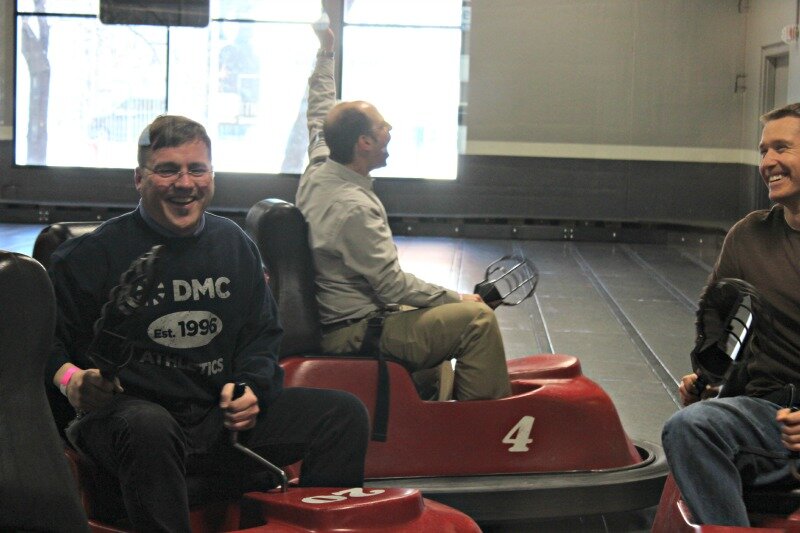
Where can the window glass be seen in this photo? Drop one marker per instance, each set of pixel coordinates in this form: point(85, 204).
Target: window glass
point(85, 7)
point(85, 91)
point(413, 80)
point(266, 10)
point(94, 109)
point(248, 91)
point(405, 12)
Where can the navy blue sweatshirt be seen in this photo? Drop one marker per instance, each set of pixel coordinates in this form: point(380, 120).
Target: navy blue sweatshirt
point(212, 319)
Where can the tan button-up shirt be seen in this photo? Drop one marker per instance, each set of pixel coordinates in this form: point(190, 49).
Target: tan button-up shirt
point(355, 258)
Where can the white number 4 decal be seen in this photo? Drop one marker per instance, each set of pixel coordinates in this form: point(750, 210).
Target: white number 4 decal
point(518, 436)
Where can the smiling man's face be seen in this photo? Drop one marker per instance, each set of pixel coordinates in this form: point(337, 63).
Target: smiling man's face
point(176, 186)
point(780, 161)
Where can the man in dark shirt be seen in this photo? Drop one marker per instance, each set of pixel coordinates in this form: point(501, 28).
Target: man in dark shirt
point(716, 447)
point(210, 323)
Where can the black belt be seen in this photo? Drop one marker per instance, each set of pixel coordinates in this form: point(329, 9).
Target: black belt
point(370, 347)
point(785, 396)
point(334, 326)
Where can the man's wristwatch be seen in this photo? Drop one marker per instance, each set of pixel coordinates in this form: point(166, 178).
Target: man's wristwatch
point(325, 53)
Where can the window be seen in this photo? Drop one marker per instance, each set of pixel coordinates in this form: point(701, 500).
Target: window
point(84, 90)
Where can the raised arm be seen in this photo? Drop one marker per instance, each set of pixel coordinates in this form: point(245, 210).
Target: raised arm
point(321, 96)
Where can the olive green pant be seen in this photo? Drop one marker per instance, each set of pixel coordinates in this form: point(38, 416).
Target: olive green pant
point(423, 338)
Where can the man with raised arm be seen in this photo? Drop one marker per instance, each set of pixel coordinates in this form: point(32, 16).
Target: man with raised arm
point(716, 447)
point(210, 323)
point(358, 276)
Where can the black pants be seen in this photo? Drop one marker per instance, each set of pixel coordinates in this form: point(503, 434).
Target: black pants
point(141, 444)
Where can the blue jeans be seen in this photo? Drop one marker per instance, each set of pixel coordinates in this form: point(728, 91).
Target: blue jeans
point(709, 447)
point(144, 447)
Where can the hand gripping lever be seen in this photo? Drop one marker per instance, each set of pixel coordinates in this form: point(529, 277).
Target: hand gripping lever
point(726, 320)
point(238, 390)
point(729, 313)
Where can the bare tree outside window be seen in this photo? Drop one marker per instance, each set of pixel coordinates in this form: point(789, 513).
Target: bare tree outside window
point(34, 50)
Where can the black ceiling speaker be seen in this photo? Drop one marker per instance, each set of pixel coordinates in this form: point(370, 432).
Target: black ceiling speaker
point(155, 13)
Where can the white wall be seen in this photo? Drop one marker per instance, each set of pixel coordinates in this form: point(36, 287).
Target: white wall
point(622, 79)
point(765, 19)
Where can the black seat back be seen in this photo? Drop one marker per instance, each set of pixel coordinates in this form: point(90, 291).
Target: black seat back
point(52, 236)
point(281, 234)
point(37, 491)
point(46, 243)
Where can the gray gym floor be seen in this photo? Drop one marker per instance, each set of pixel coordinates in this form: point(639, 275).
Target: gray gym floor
point(626, 310)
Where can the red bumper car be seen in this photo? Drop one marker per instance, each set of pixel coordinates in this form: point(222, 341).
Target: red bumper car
point(554, 448)
point(771, 511)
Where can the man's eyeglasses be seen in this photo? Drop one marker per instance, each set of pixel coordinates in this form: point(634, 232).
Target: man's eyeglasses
point(174, 173)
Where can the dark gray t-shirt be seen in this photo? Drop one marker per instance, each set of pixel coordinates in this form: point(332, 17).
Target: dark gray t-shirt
point(764, 251)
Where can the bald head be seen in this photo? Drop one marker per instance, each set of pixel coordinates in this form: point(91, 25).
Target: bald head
point(345, 123)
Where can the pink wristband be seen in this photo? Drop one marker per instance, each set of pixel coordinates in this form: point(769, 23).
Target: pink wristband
point(62, 385)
